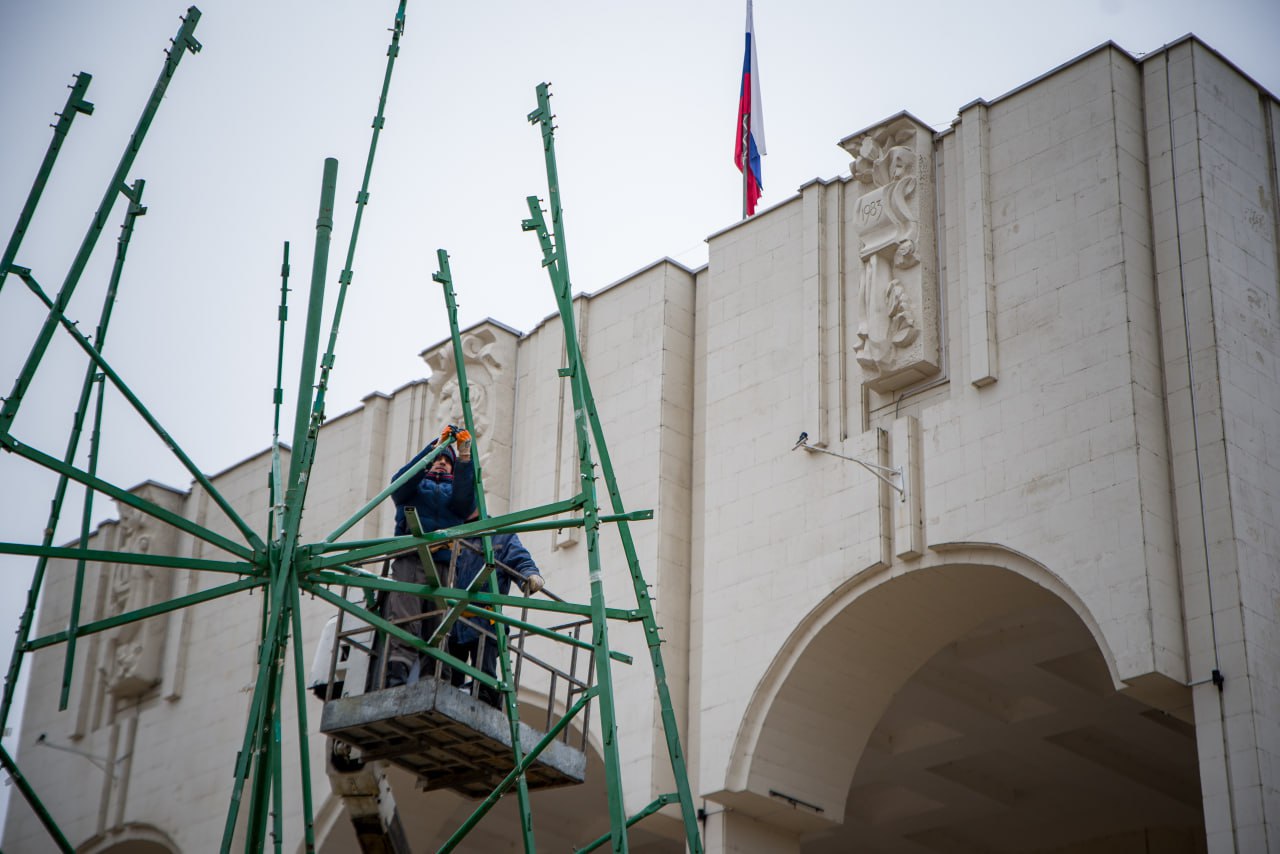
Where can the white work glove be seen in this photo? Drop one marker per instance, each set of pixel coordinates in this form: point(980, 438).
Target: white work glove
point(533, 584)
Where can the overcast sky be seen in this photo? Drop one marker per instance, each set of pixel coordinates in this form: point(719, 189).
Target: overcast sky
point(646, 98)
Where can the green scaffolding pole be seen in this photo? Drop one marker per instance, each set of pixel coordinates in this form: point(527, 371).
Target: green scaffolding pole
point(586, 421)
point(76, 104)
point(445, 277)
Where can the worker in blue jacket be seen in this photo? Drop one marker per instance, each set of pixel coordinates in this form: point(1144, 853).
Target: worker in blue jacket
point(466, 641)
point(444, 496)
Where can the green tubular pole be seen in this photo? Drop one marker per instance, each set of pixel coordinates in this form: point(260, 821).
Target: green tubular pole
point(75, 104)
point(517, 771)
point(275, 486)
point(255, 825)
point(300, 697)
point(34, 801)
point(523, 527)
point(134, 211)
point(96, 357)
point(77, 592)
point(559, 273)
point(557, 262)
point(362, 199)
point(275, 635)
point(657, 804)
point(143, 613)
point(392, 629)
point(182, 42)
point(134, 558)
point(644, 604)
point(260, 690)
point(302, 450)
point(198, 531)
point(366, 582)
point(392, 487)
point(445, 277)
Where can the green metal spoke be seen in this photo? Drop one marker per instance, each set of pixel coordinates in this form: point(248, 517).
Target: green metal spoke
point(132, 558)
point(493, 525)
point(86, 522)
point(143, 613)
point(199, 531)
point(362, 199)
point(182, 42)
point(275, 483)
point(657, 804)
point(399, 633)
point(518, 771)
point(400, 481)
point(520, 528)
point(134, 211)
point(300, 699)
point(97, 358)
point(558, 269)
point(75, 105)
point(374, 582)
point(55, 834)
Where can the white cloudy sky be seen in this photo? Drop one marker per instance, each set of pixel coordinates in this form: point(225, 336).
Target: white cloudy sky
point(646, 95)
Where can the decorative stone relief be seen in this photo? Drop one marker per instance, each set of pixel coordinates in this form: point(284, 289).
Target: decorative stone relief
point(896, 340)
point(131, 656)
point(132, 665)
point(488, 351)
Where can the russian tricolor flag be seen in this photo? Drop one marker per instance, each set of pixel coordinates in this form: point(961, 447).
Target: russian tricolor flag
point(750, 137)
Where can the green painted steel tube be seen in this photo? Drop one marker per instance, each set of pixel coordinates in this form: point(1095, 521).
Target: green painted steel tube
point(417, 468)
point(260, 691)
point(655, 805)
point(445, 277)
point(77, 590)
point(315, 310)
point(521, 528)
point(149, 611)
point(300, 698)
point(28, 793)
point(134, 211)
point(374, 582)
point(198, 531)
point(75, 105)
point(182, 42)
point(362, 199)
point(533, 628)
point(275, 482)
point(392, 629)
point(493, 525)
point(518, 770)
point(133, 558)
point(558, 271)
point(644, 604)
point(96, 357)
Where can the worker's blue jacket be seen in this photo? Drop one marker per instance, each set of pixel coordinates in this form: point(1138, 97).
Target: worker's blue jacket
point(507, 549)
point(440, 503)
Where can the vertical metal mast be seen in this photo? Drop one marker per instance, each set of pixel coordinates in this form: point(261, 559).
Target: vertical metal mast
point(558, 269)
point(445, 278)
point(587, 425)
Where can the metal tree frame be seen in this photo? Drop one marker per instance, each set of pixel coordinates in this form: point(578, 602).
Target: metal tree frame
point(279, 563)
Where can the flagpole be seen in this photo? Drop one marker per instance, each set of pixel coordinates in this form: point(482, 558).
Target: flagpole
point(746, 159)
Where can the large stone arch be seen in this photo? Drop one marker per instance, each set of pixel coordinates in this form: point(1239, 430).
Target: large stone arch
point(795, 753)
point(132, 838)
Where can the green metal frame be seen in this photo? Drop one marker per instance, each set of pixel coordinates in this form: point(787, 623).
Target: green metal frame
point(280, 564)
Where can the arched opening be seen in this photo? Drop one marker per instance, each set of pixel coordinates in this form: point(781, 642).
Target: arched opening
point(964, 707)
point(130, 839)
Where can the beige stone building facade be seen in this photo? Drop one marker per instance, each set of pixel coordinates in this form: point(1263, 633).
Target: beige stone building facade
point(1047, 618)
